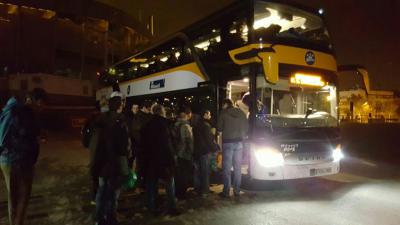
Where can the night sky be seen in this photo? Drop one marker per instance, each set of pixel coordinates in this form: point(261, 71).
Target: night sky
point(365, 32)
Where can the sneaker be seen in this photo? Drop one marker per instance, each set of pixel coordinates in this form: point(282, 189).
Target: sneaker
point(223, 195)
point(181, 197)
point(203, 195)
point(101, 222)
point(156, 212)
point(211, 191)
point(112, 221)
point(174, 212)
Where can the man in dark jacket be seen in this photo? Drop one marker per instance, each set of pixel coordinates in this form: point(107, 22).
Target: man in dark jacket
point(158, 159)
point(88, 132)
point(110, 160)
point(140, 119)
point(130, 114)
point(19, 150)
point(184, 152)
point(204, 145)
point(233, 125)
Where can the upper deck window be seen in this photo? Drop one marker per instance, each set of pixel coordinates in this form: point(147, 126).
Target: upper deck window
point(170, 54)
point(284, 24)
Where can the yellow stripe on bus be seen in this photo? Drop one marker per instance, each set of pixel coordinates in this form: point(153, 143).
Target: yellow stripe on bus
point(287, 55)
point(192, 67)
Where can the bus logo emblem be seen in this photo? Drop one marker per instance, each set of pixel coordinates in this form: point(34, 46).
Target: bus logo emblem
point(156, 84)
point(310, 58)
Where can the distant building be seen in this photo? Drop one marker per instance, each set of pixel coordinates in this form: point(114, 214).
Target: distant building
point(55, 44)
point(59, 91)
point(59, 48)
point(361, 104)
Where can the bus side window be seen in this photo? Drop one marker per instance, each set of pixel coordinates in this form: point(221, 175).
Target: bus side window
point(235, 35)
point(215, 50)
point(152, 67)
point(186, 56)
point(172, 61)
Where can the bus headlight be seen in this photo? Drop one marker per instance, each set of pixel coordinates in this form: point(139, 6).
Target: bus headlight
point(268, 157)
point(337, 154)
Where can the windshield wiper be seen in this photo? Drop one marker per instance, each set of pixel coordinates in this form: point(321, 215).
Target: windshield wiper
point(309, 112)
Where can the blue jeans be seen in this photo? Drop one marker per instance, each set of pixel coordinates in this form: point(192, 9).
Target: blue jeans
point(152, 192)
point(107, 198)
point(202, 174)
point(232, 153)
point(18, 180)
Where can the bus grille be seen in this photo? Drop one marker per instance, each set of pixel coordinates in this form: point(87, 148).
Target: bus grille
point(307, 158)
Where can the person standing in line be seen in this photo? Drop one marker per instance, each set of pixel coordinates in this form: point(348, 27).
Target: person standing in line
point(204, 145)
point(19, 151)
point(89, 141)
point(139, 121)
point(233, 125)
point(135, 109)
point(184, 152)
point(110, 161)
point(130, 114)
point(158, 160)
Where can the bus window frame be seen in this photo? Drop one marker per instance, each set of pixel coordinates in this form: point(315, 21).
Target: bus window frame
point(186, 43)
point(294, 43)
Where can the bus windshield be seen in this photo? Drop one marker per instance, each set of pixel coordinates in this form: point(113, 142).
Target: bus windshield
point(287, 105)
point(284, 24)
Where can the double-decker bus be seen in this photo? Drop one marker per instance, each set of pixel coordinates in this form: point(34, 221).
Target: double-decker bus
point(274, 60)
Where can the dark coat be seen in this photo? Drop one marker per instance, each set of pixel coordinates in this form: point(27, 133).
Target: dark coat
point(137, 123)
point(21, 139)
point(110, 146)
point(158, 157)
point(233, 124)
point(204, 141)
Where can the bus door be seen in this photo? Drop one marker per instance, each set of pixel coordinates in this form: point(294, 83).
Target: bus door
point(238, 92)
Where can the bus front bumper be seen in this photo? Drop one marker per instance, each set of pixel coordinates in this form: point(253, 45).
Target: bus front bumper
point(286, 172)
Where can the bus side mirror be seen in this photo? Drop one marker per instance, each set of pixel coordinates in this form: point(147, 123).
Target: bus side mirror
point(359, 69)
point(269, 60)
point(270, 66)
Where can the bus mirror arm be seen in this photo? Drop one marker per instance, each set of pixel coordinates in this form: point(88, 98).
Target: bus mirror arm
point(309, 112)
point(266, 56)
point(359, 69)
point(270, 66)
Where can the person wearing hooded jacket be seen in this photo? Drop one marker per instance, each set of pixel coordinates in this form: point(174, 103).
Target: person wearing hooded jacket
point(19, 150)
point(204, 145)
point(158, 159)
point(109, 160)
point(233, 125)
point(139, 121)
point(184, 153)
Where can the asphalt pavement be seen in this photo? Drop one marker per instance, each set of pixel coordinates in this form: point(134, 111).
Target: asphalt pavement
point(364, 193)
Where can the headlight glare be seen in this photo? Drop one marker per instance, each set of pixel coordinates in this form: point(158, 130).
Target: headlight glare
point(268, 157)
point(337, 154)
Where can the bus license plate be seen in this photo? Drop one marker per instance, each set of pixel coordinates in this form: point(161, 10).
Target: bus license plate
point(315, 172)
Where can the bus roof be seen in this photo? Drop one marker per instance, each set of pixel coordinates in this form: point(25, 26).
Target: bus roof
point(237, 5)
